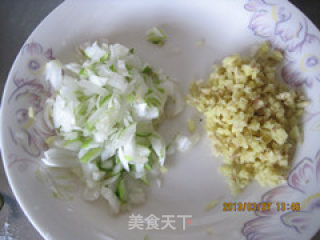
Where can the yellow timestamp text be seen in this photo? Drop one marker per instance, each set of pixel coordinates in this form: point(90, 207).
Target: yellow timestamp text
point(260, 206)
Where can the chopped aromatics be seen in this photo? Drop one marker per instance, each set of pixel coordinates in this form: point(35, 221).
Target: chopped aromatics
point(104, 112)
point(156, 36)
point(191, 125)
point(200, 43)
point(209, 231)
point(30, 112)
point(31, 119)
point(182, 143)
point(253, 120)
point(211, 205)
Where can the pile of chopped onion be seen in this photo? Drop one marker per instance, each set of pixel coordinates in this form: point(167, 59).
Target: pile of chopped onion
point(104, 111)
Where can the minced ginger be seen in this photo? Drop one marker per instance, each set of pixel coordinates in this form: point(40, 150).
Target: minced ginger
point(253, 120)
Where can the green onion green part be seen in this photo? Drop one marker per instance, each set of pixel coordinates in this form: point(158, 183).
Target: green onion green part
point(156, 36)
point(90, 155)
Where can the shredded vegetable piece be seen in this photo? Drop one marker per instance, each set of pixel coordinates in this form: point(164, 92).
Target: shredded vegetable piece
point(100, 112)
point(121, 191)
point(30, 112)
point(156, 36)
point(200, 43)
point(191, 125)
point(211, 205)
point(90, 155)
point(209, 231)
point(146, 237)
point(50, 140)
point(163, 170)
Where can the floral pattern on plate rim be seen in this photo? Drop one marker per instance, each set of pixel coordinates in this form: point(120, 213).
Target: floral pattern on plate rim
point(303, 182)
point(273, 21)
point(30, 92)
point(31, 133)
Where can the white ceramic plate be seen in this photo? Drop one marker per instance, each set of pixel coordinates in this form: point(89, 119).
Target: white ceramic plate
point(53, 203)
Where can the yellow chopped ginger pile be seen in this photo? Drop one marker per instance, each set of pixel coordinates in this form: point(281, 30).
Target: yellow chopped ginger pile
point(252, 119)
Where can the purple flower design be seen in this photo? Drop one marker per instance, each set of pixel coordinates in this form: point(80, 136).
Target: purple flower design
point(303, 66)
point(273, 21)
point(258, 23)
point(288, 30)
point(267, 228)
point(265, 17)
point(32, 133)
point(303, 187)
point(37, 56)
point(34, 65)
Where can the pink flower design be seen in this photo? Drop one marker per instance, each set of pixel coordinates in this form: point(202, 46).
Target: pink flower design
point(303, 65)
point(303, 187)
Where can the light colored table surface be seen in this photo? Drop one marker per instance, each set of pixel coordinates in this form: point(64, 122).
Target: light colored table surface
point(17, 19)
